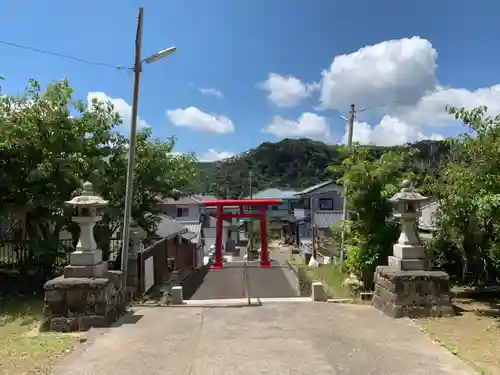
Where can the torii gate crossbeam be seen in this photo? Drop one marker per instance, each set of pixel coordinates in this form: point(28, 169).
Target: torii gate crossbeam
point(261, 204)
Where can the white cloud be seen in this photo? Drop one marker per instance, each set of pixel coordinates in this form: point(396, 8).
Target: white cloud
point(308, 125)
point(398, 78)
point(286, 91)
point(210, 92)
point(388, 73)
point(430, 110)
point(120, 105)
point(200, 121)
point(389, 132)
point(213, 155)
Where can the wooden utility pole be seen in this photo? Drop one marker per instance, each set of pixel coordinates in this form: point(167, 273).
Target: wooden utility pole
point(250, 183)
point(345, 213)
point(132, 146)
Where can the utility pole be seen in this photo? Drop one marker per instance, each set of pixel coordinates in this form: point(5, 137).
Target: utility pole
point(132, 147)
point(250, 183)
point(345, 213)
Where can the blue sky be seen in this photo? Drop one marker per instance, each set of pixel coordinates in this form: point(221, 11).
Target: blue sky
point(290, 67)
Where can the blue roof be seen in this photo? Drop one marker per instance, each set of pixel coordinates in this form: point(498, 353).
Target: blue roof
point(274, 193)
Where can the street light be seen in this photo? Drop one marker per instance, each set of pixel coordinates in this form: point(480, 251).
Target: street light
point(159, 55)
point(133, 136)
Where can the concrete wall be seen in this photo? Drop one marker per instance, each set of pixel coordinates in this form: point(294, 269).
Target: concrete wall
point(193, 212)
point(210, 238)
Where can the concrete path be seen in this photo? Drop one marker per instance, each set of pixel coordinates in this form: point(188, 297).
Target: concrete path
point(228, 283)
point(276, 339)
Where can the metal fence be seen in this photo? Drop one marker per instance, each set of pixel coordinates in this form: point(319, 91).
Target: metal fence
point(19, 253)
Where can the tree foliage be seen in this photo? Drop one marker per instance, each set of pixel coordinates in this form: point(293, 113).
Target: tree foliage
point(297, 164)
point(372, 230)
point(50, 143)
point(467, 243)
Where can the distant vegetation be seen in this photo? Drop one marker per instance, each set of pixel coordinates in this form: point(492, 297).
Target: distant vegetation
point(298, 164)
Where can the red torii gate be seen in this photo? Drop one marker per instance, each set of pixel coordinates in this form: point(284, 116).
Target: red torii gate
point(221, 215)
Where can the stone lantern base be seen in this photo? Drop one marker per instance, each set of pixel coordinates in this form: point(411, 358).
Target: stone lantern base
point(412, 294)
point(79, 303)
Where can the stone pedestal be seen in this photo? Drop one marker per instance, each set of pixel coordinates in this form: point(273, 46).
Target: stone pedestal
point(87, 294)
point(408, 257)
point(407, 287)
point(413, 294)
point(79, 303)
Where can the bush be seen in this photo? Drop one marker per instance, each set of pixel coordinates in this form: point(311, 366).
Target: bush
point(372, 229)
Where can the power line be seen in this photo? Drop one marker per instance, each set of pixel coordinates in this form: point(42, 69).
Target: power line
point(62, 55)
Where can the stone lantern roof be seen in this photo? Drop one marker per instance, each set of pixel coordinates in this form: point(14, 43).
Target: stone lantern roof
point(87, 198)
point(407, 193)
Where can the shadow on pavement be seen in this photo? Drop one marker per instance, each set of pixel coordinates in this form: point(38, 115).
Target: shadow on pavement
point(190, 287)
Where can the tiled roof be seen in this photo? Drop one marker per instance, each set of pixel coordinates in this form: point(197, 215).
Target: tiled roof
point(184, 200)
point(168, 227)
point(205, 197)
point(274, 193)
point(326, 219)
point(289, 218)
point(315, 187)
point(194, 232)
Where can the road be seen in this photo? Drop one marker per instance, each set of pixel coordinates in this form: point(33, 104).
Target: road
point(228, 283)
point(276, 339)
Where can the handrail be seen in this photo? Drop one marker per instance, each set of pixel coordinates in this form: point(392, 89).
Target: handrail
point(246, 282)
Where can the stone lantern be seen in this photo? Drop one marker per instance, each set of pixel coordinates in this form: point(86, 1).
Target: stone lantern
point(86, 260)
point(408, 254)
point(406, 287)
point(87, 294)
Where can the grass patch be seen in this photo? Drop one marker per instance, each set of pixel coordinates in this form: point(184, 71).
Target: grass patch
point(329, 274)
point(473, 335)
point(23, 350)
point(332, 277)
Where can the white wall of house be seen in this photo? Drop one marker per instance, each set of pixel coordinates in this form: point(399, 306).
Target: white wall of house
point(428, 218)
point(210, 238)
point(327, 201)
point(186, 213)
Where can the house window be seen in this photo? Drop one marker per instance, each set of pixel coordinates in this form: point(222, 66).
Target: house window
point(182, 211)
point(274, 208)
point(326, 204)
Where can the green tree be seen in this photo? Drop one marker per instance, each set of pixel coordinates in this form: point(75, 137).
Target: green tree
point(467, 243)
point(51, 143)
point(159, 174)
point(372, 229)
point(45, 153)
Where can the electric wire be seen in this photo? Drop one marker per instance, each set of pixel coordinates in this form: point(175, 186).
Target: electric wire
point(62, 55)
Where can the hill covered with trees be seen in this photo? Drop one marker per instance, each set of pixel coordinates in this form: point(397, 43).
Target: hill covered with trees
point(297, 163)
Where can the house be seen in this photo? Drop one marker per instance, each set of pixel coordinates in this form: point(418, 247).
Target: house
point(190, 240)
point(277, 212)
point(185, 210)
point(428, 217)
point(191, 212)
point(323, 204)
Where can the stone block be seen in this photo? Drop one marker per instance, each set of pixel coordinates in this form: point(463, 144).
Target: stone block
point(408, 251)
point(85, 258)
point(177, 297)
point(99, 270)
point(408, 264)
point(77, 304)
point(412, 293)
point(318, 291)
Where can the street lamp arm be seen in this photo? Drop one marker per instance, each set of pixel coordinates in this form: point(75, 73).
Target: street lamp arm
point(159, 55)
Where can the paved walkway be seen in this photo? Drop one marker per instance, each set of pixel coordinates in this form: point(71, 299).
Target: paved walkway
point(228, 283)
point(276, 339)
